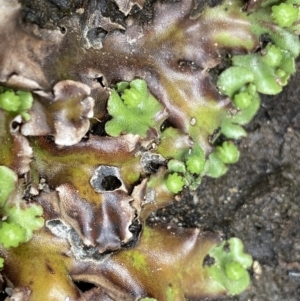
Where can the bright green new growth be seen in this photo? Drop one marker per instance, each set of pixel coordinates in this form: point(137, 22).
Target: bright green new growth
point(148, 299)
point(234, 270)
point(29, 218)
point(195, 164)
point(266, 72)
point(195, 161)
point(242, 100)
point(258, 69)
point(215, 168)
point(231, 125)
point(134, 111)
point(11, 234)
point(176, 166)
point(9, 101)
point(16, 102)
point(228, 152)
point(175, 182)
point(265, 79)
point(237, 83)
point(225, 154)
point(187, 169)
point(230, 266)
point(272, 55)
point(19, 219)
point(285, 14)
point(233, 79)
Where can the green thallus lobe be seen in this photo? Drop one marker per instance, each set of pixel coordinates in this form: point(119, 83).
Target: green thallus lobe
point(228, 152)
point(175, 182)
point(134, 111)
point(13, 227)
point(285, 14)
point(230, 266)
point(19, 219)
point(16, 102)
point(265, 72)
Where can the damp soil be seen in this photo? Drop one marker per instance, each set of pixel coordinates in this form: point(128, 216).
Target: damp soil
point(258, 200)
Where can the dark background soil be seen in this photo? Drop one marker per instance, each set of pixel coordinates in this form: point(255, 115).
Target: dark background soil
point(258, 200)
